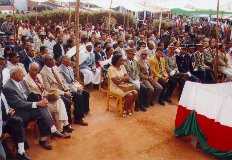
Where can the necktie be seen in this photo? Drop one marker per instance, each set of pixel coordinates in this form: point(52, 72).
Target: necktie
point(21, 89)
point(70, 74)
point(39, 85)
point(57, 78)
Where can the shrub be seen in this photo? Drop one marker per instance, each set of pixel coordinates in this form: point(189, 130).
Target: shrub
point(57, 16)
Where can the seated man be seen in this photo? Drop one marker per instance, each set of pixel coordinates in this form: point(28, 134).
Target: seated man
point(53, 80)
point(13, 125)
point(146, 76)
point(88, 68)
point(30, 56)
point(185, 64)
point(158, 67)
point(17, 99)
point(132, 68)
point(9, 123)
point(81, 97)
point(201, 70)
point(172, 68)
point(34, 85)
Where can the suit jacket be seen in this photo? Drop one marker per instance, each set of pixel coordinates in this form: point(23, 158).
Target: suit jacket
point(67, 73)
point(31, 86)
point(27, 61)
point(50, 81)
point(158, 67)
point(132, 69)
point(15, 97)
point(22, 54)
point(144, 71)
point(184, 63)
point(57, 51)
point(99, 57)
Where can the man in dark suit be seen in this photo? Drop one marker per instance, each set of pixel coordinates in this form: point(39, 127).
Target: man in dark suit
point(184, 63)
point(99, 54)
point(58, 49)
point(81, 97)
point(30, 56)
point(10, 123)
point(17, 99)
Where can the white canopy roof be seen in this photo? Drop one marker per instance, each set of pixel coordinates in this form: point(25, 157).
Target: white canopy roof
point(158, 5)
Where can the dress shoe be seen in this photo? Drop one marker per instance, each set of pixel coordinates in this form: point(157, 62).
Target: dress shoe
point(143, 109)
point(68, 129)
point(60, 135)
point(162, 103)
point(23, 156)
point(169, 100)
point(136, 109)
point(46, 145)
point(82, 123)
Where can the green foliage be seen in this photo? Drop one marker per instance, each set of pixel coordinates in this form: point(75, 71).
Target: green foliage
point(57, 16)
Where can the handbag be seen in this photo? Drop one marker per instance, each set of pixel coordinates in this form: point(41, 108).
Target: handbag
point(126, 87)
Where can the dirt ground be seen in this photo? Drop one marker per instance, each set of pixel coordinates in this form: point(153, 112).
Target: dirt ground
point(144, 136)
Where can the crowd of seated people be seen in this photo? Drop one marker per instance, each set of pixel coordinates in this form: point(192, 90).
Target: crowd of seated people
point(143, 66)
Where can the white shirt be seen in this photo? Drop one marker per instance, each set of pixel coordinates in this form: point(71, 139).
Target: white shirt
point(49, 44)
point(5, 75)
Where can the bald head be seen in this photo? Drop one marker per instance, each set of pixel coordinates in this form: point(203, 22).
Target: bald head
point(34, 69)
point(16, 73)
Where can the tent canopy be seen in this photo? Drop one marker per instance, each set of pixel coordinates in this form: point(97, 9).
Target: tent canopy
point(158, 5)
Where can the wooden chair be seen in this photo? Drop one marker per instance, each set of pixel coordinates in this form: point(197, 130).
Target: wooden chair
point(32, 129)
point(119, 100)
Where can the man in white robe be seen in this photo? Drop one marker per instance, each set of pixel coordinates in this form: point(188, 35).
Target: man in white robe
point(88, 67)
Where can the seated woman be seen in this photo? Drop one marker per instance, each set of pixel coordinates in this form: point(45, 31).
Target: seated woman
point(118, 76)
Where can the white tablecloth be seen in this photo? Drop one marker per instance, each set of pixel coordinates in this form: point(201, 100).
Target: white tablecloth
point(211, 100)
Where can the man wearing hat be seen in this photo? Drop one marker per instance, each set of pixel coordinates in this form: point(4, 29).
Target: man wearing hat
point(132, 68)
point(92, 74)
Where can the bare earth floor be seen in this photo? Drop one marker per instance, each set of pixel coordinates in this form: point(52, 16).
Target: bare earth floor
point(144, 136)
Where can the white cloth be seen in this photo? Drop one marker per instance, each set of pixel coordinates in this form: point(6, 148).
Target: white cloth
point(82, 57)
point(59, 107)
point(5, 75)
point(211, 100)
point(62, 110)
point(227, 71)
point(136, 83)
point(50, 44)
point(91, 77)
